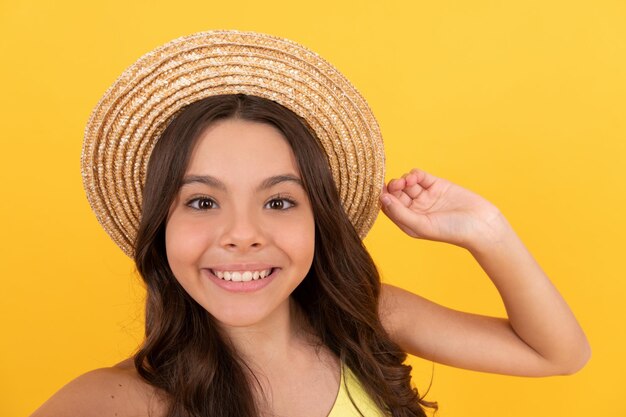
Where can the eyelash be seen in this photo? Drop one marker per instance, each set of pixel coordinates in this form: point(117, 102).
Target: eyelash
point(192, 202)
point(283, 199)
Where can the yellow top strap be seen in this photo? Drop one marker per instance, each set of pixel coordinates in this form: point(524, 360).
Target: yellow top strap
point(343, 407)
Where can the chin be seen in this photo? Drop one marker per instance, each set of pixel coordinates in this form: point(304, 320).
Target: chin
point(238, 317)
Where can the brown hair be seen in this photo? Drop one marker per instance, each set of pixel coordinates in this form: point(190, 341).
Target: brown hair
point(186, 356)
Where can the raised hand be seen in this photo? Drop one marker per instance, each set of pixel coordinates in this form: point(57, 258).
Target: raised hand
point(428, 207)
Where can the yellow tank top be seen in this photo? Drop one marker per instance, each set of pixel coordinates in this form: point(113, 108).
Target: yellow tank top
point(343, 407)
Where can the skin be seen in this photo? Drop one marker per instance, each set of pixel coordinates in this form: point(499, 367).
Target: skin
point(540, 336)
point(222, 220)
point(233, 222)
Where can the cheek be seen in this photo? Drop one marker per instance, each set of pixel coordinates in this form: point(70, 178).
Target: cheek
point(300, 239)
point(184, 244)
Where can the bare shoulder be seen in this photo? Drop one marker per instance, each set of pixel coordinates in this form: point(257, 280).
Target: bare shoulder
point(115, 391)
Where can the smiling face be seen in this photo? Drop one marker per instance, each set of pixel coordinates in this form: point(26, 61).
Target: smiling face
point(240, 233)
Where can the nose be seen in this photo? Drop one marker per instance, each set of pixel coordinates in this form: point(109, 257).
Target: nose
point(242, 232)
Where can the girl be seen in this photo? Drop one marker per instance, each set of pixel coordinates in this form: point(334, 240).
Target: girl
point(261, 299)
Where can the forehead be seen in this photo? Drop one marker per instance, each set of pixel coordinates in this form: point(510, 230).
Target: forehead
point(241, 147)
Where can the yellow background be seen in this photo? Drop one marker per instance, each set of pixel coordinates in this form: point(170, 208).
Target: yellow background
point(523, 102)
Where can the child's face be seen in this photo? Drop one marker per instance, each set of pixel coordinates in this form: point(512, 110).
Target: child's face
point(241, 212)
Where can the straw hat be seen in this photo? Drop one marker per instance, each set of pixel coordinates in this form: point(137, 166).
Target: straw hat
point(134, 111)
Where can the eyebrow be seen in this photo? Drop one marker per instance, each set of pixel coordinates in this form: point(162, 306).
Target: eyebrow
point(265, 184)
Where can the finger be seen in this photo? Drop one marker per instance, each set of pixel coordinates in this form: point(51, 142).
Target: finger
point(410, 179)
point(403, 197)
point(423, 178)
point(401, 215)
point(407, 185)
point(413, 191)
point(396, 185)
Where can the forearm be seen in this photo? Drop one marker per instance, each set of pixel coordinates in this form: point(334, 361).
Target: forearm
point(541, 336)
point(536, 311)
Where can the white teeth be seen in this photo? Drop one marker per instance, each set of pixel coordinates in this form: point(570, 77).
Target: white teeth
point(242, 276)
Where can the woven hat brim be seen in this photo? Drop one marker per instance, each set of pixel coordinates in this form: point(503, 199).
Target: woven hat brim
point(132, 114)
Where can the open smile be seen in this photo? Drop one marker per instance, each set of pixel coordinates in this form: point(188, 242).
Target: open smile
point(242, 281)
point(243, 276)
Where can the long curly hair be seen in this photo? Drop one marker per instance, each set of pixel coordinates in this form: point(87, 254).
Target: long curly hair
point(186, 355)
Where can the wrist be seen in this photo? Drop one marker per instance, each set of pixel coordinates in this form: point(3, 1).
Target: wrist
point(493, 234)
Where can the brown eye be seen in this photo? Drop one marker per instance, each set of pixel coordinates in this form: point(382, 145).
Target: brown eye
point(280, 204)
point(276, 204)
point(202, 203)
